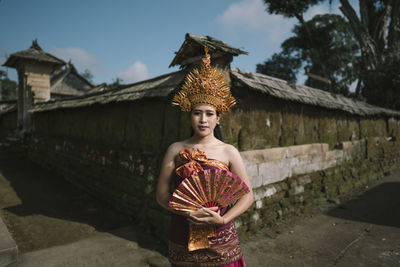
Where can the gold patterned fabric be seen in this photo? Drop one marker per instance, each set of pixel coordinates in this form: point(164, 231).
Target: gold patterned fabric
point(201, 245)
point(193, 158)
point(224, 249)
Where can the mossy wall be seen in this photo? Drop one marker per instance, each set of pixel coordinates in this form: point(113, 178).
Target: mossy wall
point(8, 124)
point(114, 151)
point(300, 193)
point(260, 121)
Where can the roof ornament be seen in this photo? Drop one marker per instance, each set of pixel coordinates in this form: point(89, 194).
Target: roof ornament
point(35, 45)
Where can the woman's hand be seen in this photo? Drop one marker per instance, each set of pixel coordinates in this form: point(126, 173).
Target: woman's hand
point(206, 216)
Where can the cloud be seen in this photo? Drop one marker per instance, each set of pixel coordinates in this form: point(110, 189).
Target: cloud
point(251, 16)
point(315, 10)
point(80, 58)
point(135, 73)
point(321, 9)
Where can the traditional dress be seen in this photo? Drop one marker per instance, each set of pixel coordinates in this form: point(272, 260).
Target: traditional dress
point(224, 246)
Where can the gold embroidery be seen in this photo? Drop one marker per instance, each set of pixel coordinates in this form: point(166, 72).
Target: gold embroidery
point(216, 248)
point(224, 249)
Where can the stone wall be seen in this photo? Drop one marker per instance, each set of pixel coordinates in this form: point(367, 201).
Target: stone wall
point(114, 151)
point(260, 121)
point(8, 124)
point(291, 180)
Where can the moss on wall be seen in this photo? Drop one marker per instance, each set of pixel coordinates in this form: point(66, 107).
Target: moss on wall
point(298, 194)
point(347, 127)
point(114, 150)
point(8, 124)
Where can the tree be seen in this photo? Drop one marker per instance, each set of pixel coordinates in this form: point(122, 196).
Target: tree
point(280, 66)
point(383, 84)
point(329, 53)
point(377, 31)
point(8, 88)
point(87, 74)
point(116, 83)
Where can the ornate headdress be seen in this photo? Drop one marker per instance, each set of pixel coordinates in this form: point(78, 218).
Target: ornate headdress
point(205, 86)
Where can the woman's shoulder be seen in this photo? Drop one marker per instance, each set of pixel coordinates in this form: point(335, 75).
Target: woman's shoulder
point(176, 147)
point(228, 148)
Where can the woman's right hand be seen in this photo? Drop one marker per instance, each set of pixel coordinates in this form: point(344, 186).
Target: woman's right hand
point(205, 216)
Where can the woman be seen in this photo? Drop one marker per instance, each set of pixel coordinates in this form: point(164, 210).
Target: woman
point(206, 96)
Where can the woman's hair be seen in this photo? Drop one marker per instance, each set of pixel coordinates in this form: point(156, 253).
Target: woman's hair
point(217, 129)
point(218, 132)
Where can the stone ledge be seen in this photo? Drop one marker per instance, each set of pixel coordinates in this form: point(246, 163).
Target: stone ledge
point(8, 247)
point(280, 153)
point(268, 166)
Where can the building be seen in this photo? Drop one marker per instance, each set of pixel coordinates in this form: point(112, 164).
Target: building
point(42, 77)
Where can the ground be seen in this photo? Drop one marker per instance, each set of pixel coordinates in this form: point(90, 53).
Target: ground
point(55, 224)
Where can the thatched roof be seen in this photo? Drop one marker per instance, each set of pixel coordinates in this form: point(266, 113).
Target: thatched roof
point(192, 49)
point(8, 106)
point(34, 53)
point(163, 85)
point(68, 82)
point(306, 95)
point(160, 86)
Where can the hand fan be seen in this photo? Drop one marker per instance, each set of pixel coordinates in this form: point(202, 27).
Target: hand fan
point(208, 188)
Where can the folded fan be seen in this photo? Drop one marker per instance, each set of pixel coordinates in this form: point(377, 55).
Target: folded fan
point(208, 188)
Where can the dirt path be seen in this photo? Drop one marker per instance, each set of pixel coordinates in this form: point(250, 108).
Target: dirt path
point(364, 231)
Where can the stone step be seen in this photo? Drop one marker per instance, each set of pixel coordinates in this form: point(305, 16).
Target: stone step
point(8, 247)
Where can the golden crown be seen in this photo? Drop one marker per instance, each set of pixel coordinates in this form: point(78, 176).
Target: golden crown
point(205, 86)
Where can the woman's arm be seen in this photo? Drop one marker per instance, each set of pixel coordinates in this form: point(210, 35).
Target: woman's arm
point(167, 168)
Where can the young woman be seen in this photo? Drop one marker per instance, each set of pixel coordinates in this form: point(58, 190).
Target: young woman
point(206, 97)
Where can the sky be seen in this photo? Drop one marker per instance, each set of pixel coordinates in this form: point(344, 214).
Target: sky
point(137, 40)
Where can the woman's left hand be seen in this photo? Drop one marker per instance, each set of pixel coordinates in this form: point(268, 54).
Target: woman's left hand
point(212, 217)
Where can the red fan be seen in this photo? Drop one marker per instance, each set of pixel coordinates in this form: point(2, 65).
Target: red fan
point(208, 188)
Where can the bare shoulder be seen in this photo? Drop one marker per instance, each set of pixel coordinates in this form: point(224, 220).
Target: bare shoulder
point(231, 150)
point(174, 148)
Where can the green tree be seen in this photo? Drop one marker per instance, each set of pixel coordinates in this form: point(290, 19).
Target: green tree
point(281, 66)
point(8, 88)
point(330, 53)
point(377, 31)
point(116, 83)
point(87, 74)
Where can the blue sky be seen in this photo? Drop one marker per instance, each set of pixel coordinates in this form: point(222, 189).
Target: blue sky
point(136, 40)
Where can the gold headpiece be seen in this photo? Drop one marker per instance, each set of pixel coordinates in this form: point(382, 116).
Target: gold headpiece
point(205, 86)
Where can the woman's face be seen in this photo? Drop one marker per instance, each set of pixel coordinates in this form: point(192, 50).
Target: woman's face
point(204, 119)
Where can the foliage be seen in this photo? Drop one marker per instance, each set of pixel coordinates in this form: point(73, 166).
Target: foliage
point(384, 82)
point(8, 87)
point(330, 54)
point(87, 74)
point(116, 83)
point(376, 28)
point(289, 8)
point(280, 66)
